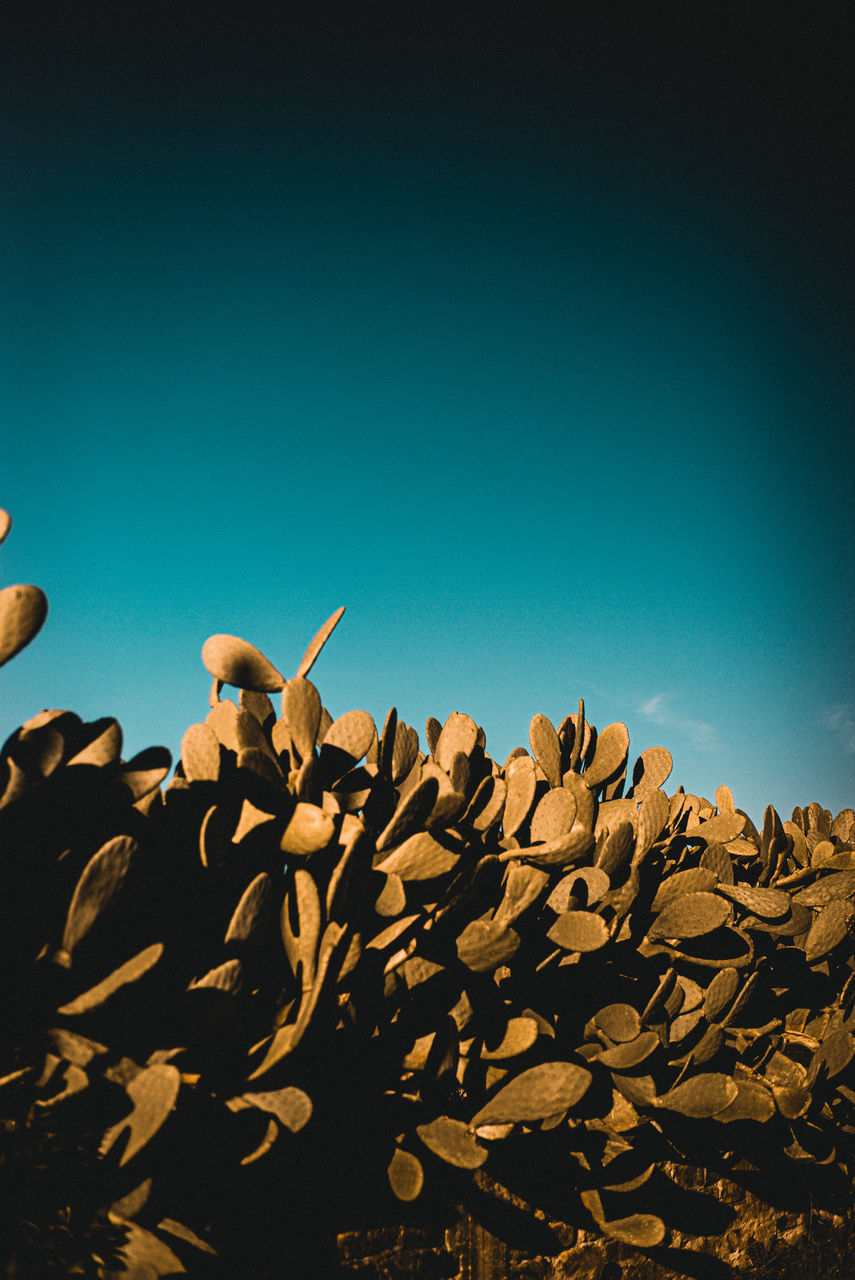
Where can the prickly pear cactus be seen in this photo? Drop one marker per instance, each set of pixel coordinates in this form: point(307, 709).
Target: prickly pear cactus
point(323, 964)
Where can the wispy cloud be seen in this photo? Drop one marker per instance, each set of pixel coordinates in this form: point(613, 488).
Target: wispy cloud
point(699, 732)
point(840, 719)
point(652, 709)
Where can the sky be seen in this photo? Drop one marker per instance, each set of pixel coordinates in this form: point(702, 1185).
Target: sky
point(523, 330)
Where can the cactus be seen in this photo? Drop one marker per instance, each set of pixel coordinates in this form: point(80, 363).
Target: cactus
point(476, 962)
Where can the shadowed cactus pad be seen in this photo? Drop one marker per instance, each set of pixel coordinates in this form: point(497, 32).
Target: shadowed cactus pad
point(153, 1093)
point(701, 1096)
point(541, 1091)
point(23, 610)
point(237, 662)
point(453, 1142)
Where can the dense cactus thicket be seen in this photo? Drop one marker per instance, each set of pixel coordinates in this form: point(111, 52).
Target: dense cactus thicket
point(321, 966)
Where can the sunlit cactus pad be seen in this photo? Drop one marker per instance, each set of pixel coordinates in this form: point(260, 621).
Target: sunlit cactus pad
point(324, 958)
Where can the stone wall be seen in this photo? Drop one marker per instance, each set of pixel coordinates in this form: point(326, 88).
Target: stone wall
point(720, 1228)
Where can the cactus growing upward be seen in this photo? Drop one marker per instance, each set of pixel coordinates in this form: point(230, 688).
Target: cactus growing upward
point(466, 966)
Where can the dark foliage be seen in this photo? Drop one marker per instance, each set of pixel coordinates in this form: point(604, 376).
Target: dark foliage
point(322, 967)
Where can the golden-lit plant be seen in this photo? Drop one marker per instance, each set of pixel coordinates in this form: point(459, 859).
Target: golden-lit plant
point(319, 943)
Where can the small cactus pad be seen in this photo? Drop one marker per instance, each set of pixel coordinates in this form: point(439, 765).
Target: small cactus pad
point(97, 888)
point(620, 1022)
point(308, 830)
point(318, 641)
point(542, 1091)
point(609, 756)
point(484, 945)
point(691, 916)
point(579, 931)
point(421, 857)
point(237, 662)
point(23, 610)
point(352, 732)
point(700, 1096)
point(291, 1106)
point(830, 926)
point(130, 971)
point(153, 1093)
point(546, 748)
point(453, 1142)
point(406, 1175)
point(200, 754)
point(644, 1230)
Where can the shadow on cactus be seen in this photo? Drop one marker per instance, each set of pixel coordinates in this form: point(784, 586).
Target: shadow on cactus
point(326, 974)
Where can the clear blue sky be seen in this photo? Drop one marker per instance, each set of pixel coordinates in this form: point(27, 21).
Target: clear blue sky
point(530, 344)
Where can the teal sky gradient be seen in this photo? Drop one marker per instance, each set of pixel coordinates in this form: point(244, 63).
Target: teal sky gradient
point(556, 407)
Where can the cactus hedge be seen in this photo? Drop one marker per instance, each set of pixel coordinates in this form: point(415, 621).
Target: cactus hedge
point(320, 969)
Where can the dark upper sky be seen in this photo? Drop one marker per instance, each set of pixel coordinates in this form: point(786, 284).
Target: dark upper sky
point(750, 103)
point(745, 111)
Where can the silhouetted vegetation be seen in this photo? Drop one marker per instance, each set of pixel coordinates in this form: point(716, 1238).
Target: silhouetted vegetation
point(320, 970)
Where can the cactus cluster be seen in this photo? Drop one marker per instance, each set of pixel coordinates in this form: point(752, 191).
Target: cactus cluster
point(319, 954)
